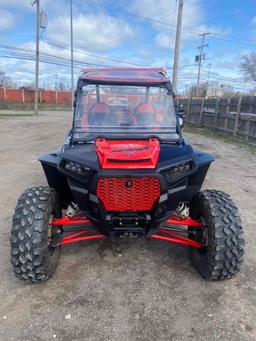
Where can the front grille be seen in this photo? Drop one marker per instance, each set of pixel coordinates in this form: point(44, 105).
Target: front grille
point(128, 194)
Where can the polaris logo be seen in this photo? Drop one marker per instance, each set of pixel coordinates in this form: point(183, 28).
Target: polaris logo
point(128, 184)
point(129, 154)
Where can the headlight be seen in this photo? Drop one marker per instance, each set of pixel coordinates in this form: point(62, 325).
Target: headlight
point(76, 168)
point(178, 171)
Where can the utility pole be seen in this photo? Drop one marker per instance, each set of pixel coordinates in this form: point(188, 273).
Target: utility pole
point(37, 3)
point(177, 47)
point(72, 52)
point(200, 57)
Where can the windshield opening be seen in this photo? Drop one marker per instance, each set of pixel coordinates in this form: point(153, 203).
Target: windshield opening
point(116, 110)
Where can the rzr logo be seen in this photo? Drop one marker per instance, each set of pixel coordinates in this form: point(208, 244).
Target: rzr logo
point(128, 184)
point(130, 151)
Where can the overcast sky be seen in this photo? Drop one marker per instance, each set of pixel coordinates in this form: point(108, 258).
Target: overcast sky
point(129, 33)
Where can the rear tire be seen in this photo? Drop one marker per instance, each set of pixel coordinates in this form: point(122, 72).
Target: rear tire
point(32, 258)
point(223, 255)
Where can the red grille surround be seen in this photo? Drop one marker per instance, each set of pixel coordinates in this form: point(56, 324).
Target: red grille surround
point(128, 194)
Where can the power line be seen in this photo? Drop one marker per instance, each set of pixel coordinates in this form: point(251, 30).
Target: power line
point(232, 80)
point(181, 67)
point(19, 53)
point(92, 54)
point(233, 39)
point(27, 57)
point(237, 87)
point(219, 78)
point(196, 32)
point(22, 50)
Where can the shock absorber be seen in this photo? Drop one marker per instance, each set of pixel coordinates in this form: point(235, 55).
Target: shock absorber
point(72, 210)
point(182, 211)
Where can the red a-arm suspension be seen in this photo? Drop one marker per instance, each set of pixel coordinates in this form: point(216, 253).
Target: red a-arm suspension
point(87, 232)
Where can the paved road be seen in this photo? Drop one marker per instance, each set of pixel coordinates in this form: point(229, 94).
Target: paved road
point(118, 291)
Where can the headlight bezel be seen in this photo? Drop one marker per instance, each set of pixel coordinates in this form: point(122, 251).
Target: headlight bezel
point(74, 167)
point(179, 170)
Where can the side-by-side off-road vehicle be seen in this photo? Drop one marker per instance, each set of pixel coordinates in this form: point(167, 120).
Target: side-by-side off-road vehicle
point(125, 171)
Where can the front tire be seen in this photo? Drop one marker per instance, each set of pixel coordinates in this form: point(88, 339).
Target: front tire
point(222, 256)
point(32, 257)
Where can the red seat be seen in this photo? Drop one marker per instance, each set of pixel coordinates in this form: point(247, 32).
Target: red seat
point(102, 108)
point(144, 108)
point(144, 114)
point(95, 115)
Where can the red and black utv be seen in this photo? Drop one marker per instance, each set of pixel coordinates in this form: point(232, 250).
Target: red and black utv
point(125, 171)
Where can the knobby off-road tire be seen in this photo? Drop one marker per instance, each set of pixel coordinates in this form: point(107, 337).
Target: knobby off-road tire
point(32, 258)
point(223, 256)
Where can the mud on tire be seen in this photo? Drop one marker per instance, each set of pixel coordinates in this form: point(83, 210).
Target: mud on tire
point(32, 258)
point(222, 257)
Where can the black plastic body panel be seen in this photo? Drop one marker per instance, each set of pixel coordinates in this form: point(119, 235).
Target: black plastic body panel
point(82, 190)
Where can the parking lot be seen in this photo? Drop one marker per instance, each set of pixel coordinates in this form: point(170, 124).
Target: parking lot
point(123, 290)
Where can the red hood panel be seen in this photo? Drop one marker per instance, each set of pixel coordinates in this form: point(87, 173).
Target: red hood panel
point(128, 154)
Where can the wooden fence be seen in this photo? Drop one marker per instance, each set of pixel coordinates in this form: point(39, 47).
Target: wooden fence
point(28, 96)
point(236, 116)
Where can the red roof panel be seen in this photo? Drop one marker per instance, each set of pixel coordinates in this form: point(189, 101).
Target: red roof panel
point(136, 75)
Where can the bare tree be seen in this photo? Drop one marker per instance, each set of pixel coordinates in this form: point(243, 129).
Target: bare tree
point(5, 81)
point(248, 66)
point(60, 84)
point(30, 86)
point(2, 78)
point(192, 90)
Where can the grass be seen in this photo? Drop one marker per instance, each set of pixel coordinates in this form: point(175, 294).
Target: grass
point(15, 115)
point(220, 135)
point(30, 106)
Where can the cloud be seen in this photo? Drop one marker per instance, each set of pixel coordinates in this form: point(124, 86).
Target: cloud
point(91, 32)
point(15, 3)
point(165, 41)
point(148, 8)
point(166, 11)
point(6, 20)
point(164, 17)
point(25, 4)
point(253, 24)
point(253, 21)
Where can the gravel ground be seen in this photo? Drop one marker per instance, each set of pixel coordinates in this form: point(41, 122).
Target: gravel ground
point(123, 290)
